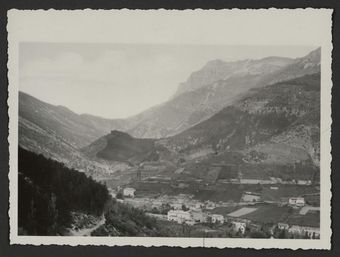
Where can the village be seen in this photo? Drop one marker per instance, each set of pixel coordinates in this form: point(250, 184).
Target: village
point(290, 217)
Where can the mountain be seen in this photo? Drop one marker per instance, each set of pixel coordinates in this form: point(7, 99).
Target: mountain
point(279, 123)
point(219, 70)
point(58, 133)
point(191, 123)
point(121, 147)
point(76, 130)
point(308, 64)
point(217, 85)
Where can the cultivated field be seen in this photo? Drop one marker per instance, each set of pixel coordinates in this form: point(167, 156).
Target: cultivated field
point(241, 212)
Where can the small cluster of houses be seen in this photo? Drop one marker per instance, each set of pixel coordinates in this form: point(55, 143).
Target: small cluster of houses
point(192, 217)
point(311, 232)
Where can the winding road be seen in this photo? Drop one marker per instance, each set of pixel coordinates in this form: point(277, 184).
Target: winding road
point(88, 231)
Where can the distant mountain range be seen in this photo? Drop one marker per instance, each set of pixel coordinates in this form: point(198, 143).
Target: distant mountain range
point(266, 110)
point(278, 124)
point(217, 85)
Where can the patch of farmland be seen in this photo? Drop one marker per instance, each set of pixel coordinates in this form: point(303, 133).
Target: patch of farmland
point(286, 191)
point(224, 210)
point(310, 219)
point(227, 195)
point(241, 212)
point(269, 214)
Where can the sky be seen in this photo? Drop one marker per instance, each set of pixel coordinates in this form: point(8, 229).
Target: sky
point(121, 80)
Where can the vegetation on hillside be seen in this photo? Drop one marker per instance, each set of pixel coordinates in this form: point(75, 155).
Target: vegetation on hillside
point(125, 220)
point(48, 192)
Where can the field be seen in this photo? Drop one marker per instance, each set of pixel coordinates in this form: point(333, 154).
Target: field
point(269, 194)
point(269, 214)
point(312, 219)
point(241, 212)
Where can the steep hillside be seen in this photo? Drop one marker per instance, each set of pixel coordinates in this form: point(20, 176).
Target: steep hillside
point(76, 130)
point(275, 120)
point(215, 86)
point(48, 192)
point(58, 133)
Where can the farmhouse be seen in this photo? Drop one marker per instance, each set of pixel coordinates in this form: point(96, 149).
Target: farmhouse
point(129, 192)
point(239, 226)
point(251, 197)
point(179, 216)
point(297, 201)
point(303, 182)
point(282, 226)
point(217, 218)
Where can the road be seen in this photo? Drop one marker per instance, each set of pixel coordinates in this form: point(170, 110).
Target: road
point(88, 231)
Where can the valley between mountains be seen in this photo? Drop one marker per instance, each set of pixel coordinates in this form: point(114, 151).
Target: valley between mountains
point(237, 140)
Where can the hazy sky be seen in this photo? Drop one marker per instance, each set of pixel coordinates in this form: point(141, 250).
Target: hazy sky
point(120, 80)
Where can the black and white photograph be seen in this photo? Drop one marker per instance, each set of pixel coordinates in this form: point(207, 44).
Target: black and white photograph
point(170, 139)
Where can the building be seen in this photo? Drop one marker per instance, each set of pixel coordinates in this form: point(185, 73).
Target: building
point(282, 226)
point(217, 218)
point(239, 226)
point(251, 197)
point(303, 182)
point(179, 216)
point(311, 232)
point(129, 192)
point(296, 201)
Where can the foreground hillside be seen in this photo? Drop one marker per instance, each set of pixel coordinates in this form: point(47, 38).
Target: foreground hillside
point(49, 192)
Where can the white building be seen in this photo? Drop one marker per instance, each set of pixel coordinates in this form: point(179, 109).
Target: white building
point(179, 216)
point(301, 230)
point(129, 192)
point(251, 197)
point(282, 226)
point(217, 218)
point(297, 201)
point(303, 182)
point(239, 226)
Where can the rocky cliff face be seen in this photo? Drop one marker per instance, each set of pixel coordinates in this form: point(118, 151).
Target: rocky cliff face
point(219, 70)
point(217, 85)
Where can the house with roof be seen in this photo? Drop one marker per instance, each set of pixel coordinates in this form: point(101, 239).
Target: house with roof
point(129, 192)
point(251, 197)
point(239, 226)
point(296, 201)
point(179, 216)
point(217, 218)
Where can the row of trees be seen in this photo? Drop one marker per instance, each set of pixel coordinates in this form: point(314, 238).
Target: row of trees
point(49, 191)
